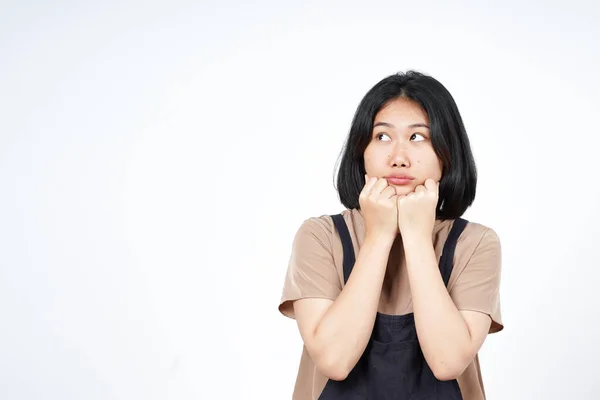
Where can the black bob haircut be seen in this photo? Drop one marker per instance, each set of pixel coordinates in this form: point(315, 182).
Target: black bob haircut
point(448, 137)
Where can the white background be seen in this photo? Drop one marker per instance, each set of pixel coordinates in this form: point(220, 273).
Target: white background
point(157, 159)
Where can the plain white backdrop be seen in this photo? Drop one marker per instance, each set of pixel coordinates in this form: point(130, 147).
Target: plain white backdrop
point(157, 158)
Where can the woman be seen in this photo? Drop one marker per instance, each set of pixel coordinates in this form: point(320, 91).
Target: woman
point(406, 318)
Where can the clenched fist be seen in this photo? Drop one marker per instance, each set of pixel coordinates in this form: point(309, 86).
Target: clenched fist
point(416, 210)
point(378, 205)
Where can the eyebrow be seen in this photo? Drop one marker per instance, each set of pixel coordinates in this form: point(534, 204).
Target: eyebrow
point(387, 124)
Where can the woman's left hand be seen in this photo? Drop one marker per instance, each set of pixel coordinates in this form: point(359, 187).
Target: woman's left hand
point(416, 211)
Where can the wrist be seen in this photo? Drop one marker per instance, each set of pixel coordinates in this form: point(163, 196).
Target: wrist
point(416, 240)
point(379, 239)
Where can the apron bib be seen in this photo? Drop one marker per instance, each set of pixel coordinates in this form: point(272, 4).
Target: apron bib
point(392, 365)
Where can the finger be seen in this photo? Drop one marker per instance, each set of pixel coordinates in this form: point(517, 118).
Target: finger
point(431, 185)
point(379, 186)
point(388, 192)
point(369, 182)
point(400, 198)
point(420, 188)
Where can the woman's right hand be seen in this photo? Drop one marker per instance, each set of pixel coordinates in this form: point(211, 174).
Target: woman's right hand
point(379, 209)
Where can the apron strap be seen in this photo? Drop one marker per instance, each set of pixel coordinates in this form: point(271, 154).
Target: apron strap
point(447, 259)
point(347, 246)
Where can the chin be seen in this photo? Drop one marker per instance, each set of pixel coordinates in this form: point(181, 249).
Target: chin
point(404, 189)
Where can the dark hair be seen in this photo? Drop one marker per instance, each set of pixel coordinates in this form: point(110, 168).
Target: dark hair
point(448, 137)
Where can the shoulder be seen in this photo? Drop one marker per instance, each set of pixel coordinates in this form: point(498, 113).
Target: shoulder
point(315, 231)
point(473, 235)
point(323, 226)
point(320, 231)
point(476, 236)
point(478, 253)
point(316, 226)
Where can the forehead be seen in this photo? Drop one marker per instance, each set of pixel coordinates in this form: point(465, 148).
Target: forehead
point(401, 111)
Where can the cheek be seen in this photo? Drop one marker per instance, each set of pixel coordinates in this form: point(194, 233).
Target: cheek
point(431, 164)
point(437, 167)
point(369, 166)
point(369, 157)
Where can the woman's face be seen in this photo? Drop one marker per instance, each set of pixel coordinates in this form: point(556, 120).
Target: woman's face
point(400, 149)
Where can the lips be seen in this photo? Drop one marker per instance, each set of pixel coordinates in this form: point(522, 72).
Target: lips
point(399, 179)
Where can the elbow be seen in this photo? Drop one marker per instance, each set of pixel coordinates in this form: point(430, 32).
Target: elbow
point(450, 367)
point(333, 359)
point(333, 368)
point(337, 374)
point(447, 371)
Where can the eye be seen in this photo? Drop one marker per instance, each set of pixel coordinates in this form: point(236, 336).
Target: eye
point(414, 135)
point(380, 135)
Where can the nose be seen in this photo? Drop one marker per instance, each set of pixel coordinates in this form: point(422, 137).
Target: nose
point(399, 156)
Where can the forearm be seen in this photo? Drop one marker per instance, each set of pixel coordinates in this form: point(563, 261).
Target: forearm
point(346, 327)
point(443, 334)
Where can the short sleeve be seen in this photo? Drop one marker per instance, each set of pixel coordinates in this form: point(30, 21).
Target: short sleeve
point(477, 288)
point(311, 270)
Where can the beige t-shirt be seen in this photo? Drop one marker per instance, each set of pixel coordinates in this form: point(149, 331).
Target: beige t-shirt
point(315, 270)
